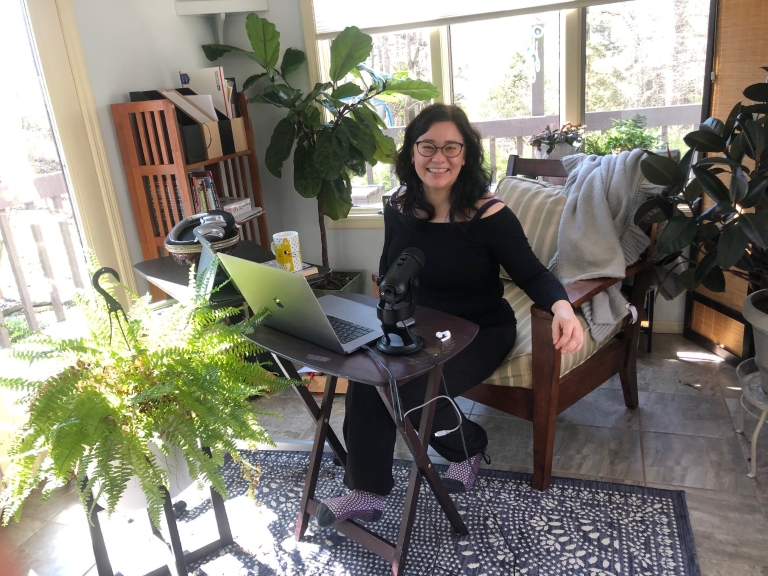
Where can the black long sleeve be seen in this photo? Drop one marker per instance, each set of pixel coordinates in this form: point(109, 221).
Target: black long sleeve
point(462, 264)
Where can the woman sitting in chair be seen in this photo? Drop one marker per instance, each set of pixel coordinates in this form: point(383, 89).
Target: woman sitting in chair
point(444, 209)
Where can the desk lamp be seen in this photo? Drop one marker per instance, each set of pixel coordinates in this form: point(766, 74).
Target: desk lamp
point(397, 302)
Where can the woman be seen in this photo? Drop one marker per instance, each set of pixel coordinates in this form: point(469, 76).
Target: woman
point(445, 210)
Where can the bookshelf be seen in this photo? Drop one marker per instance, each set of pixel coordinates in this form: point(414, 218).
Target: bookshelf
point(158, 175)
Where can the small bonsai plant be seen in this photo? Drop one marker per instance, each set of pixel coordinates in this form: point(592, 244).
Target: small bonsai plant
point(334, 127)
point(731, 234)
point(623, 135)
point(570, 134)
point(178, 378)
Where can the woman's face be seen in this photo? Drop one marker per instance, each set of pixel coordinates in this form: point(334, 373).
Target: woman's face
point(439, 171)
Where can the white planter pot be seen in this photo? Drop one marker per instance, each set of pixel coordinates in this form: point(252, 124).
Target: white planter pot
point(560, 151)
point(178, 480)
point(759, 321)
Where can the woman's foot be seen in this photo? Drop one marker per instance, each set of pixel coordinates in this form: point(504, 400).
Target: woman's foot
point(357, 505)
point(461, 476)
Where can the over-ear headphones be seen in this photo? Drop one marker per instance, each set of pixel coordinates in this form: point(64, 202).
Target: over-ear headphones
point(214, 225)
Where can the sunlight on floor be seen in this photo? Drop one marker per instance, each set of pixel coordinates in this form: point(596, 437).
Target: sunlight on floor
point(699, 357)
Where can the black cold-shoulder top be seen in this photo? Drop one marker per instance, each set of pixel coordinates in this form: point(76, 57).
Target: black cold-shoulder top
point(461, 267)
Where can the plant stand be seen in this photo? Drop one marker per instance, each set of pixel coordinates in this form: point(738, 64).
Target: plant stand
point(180, 558)
point(752, 393)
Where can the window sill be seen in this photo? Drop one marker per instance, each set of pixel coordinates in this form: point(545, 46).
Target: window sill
point(357, 220)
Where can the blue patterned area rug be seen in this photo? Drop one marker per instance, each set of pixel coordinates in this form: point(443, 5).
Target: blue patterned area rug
point(576, 527)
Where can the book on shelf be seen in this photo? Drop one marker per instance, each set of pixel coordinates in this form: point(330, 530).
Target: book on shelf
point(242, 216)
point(307, 270)
point(236, 206)
point(204, 191)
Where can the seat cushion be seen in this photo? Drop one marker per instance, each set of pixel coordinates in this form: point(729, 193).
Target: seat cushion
point(538, 206)
point(516, 369)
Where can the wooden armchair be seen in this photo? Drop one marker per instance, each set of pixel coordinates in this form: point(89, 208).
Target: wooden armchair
point(536, 382)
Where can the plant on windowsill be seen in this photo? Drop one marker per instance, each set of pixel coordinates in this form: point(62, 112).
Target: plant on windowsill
point(332, 145)
point(559, 142)
point(129, 394)
point(731, 234)
point(623, 135)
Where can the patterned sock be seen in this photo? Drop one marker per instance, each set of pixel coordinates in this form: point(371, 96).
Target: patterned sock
point(357, 505)
point(461, 476)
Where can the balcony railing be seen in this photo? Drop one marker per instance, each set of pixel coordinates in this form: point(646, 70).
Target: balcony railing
point(521, 128)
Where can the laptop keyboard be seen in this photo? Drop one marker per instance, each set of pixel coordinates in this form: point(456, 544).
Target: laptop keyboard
point(347, 331)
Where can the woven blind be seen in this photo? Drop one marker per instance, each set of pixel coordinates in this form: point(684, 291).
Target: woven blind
point(332, 16)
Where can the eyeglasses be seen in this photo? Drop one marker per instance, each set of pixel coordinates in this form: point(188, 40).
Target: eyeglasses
point(450, 150)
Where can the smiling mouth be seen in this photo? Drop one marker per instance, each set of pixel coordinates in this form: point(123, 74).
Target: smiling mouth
point(437, 170)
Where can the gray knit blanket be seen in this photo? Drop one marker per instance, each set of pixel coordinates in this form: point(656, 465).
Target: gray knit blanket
point(597, 237)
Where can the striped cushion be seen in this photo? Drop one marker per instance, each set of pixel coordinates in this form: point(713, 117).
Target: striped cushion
point(516, 369)
point(538, 206)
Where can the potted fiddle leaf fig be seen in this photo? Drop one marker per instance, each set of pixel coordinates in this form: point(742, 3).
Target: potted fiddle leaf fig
point(334, 129)
point(730, 235)
point(132, 399)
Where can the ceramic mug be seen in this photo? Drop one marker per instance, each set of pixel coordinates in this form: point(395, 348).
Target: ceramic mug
point(285, 247)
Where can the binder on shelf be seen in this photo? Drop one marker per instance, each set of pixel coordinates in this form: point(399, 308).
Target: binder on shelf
point(210, 81)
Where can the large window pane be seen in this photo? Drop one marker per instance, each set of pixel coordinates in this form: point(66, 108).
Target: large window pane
point(647, 58)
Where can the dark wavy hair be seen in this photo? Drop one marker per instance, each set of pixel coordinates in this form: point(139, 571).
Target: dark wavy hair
point(473, 180)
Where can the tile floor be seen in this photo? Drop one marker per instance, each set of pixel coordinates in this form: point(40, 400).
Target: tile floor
point(681, 437)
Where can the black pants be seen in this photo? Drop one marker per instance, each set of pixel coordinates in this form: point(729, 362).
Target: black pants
point(370, 432)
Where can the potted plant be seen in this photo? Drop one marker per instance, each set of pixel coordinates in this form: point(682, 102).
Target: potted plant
point(112, 404)
point(334, 129)
point(731, 234)
point(623, 135)
point(557, 143)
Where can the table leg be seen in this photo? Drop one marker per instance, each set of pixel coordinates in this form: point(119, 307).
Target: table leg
point(740, 421)
point(314, 410)
point(316, 456)
point(755, 434)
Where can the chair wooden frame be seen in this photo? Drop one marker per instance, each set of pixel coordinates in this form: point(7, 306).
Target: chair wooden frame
point(550, 394)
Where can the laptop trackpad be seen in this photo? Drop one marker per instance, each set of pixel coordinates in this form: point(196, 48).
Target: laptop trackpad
point(350, 311)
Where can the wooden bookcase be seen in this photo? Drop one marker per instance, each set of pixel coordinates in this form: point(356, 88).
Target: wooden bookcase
point(158, 175)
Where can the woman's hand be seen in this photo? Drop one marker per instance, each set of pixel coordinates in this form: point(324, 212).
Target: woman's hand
point(567, 334)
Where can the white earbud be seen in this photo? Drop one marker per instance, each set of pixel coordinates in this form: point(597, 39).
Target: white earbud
point(443, 335)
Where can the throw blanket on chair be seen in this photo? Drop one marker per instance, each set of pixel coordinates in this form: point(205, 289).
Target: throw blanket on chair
point(597, 237)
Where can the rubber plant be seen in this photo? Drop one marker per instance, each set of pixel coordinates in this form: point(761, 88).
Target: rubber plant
point(728, 163)
point(179, 378)
point(333, 130)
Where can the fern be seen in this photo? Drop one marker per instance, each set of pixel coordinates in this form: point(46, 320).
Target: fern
point(177, 378)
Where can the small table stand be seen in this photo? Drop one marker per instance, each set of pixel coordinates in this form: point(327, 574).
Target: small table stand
point(751, 393)
point(360, 367)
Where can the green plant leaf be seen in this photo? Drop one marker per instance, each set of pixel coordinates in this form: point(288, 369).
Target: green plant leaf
point(738, 186)
point(693, 190)
point(712, 185)
point(755, 225)
point(336, 198)
point(754, 139)
point(355, 161)
point(292, 61)
point(360, 137)
point(348, 90)
point(705, 265)
point(757, 92)
point(377, 80)
point(712, 160)
point(649, 212)
point(416, 89)
point(731, 246)
point(716, 211)
point(251, 80)
point(330, 152)
point(677, 234)
point(386, 149)
point(713, 125)
point(348, 49)
point(265, 40)
point(706, 231)
point(216, 51)
point(661, 171)
point(745, 263)
point(705, 141)
point(715, 280)
point(755, 191)
point(280, 146)
point(687, 277)
point(311, 117)
point(306, 178)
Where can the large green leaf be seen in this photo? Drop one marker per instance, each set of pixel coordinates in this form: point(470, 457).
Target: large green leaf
point(687, 277)
point(731, 246)
point(755, 191)
point(706, 231)
point(705, 265)
point(754, 139)
point(713, 125)
point(348, 49)
point(661, 171)
point(216, 51)
point(251, 80)
point(386, 149)
point(280, 146)
point(715, 280)
point(693, 190)
point(306, 178)
point(705, 141)
point(716, 211)
point(755, 226)
point(416, 89)
point(336, 198)
point(355, 161)
point(265, 40)
point(712, 185)
point(310, 116)
point(292, 61)
point(360, 137)
point(738, 186)
point(348, 90)
point(677, 234)
point(757, 92)
point(330, 152)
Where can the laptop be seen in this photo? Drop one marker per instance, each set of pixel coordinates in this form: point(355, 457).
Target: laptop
point(331, 322)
